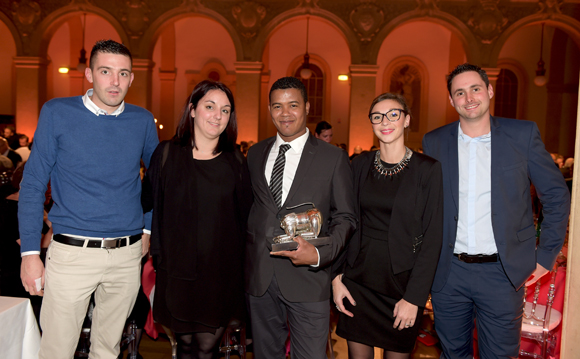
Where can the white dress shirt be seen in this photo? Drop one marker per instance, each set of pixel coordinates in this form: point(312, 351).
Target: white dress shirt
point(474, 228)
point(292, 161)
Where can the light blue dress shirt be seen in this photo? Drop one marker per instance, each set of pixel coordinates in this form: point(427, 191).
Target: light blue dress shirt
point(474, 229)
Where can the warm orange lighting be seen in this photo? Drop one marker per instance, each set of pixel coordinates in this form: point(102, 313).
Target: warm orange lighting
point(155, 120)
point(63, 70)
point(342, 77)
point(160, 127)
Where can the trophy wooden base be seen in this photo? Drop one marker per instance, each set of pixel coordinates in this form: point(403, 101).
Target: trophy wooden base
point(293, 245)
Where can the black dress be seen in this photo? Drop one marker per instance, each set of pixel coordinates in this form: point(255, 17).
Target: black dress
point(197, 239)
point(373, 320)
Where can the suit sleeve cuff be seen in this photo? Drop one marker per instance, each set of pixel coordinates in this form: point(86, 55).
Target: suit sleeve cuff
point(317, 263)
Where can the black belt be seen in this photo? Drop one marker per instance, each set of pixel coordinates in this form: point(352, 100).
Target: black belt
point(97, 243)
point(476, 258)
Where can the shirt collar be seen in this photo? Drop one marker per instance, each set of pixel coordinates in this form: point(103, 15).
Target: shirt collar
point(90, 105)
point(297, 144)
point(462, 136)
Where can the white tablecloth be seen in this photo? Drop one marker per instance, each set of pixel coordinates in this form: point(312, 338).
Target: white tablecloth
point(19, 334)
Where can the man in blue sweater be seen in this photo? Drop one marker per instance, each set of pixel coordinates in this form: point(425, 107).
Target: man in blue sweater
point(90, 148)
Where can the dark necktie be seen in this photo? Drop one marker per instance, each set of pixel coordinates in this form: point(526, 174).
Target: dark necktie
point(278, 174)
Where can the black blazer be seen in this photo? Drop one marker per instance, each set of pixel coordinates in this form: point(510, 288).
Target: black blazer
point(416, 228)
point(323, 177)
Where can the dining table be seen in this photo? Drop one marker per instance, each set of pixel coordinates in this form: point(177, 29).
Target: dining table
point(19, 333)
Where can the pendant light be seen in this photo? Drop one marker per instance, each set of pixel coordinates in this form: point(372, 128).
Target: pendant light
point(305, 72)
point(83, 58)
point(540, 79)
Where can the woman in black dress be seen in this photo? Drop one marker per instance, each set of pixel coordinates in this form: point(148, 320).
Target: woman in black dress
point(383, 278)
point(199, 188)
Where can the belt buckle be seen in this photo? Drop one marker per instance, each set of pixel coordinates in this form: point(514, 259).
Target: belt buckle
point(110, 243)
point(460, 256)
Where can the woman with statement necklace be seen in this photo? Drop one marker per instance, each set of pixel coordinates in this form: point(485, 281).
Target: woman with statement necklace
point(384, 276)
point(200, 193)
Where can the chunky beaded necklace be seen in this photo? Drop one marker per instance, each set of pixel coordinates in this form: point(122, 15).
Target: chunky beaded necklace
point(390, 171)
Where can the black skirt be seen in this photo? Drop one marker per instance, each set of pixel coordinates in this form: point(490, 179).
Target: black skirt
point(373, 321)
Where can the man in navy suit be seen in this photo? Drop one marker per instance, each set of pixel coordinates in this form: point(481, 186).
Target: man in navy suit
point(489, 249)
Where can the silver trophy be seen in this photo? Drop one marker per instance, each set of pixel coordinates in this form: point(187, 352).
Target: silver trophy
point(306, 224)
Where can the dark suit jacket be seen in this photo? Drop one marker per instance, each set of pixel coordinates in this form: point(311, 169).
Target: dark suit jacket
point(518, 156)
point(323, 177)
point(417, 218)
point(14, 157)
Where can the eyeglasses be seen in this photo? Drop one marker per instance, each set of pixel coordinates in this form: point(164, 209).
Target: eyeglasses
point(392, 115)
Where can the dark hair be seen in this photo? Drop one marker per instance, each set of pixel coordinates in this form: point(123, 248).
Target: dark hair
point(321, 126)
point(289, 83)
point(109, 47)
point(11, 128)
point(391, 96)
point(185, 134)
point(466, 67)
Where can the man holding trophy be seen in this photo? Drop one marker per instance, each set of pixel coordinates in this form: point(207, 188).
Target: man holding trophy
point(289, 290)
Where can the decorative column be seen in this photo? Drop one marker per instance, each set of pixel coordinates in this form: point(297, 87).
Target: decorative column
point(166, 113)
point(30, 92)
point(248, 80)
point(492, 75)
point(140, 91)
point(362, 92)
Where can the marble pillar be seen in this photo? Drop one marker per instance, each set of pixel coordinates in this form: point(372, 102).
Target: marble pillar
point(248, 83)
point(362, 92)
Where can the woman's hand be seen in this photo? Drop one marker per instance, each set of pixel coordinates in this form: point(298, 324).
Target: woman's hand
point(339, 292)
point(405, 314)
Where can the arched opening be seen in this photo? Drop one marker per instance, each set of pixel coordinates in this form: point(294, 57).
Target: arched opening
point(283, 56)
point(506, 94)
point(64, 49)
point(417, 55)
point(182, 60)
point(7, 76)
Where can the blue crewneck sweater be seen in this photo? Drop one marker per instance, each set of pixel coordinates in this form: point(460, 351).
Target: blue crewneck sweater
point(93, 164)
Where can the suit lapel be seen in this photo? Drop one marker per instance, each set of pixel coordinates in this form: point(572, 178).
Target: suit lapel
point(308, 154)
point(263, 182)
point(454, 165)
point(497, 149)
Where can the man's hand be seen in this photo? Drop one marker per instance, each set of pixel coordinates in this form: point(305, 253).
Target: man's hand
point(306, 254)
point(405, 314)
point(538, 273)
point(145, 244)
point(339, 292)
point(31, 270)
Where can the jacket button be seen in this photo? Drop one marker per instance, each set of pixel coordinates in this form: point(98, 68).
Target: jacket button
point(450, 245)
point(279, 216)
point(455, 218)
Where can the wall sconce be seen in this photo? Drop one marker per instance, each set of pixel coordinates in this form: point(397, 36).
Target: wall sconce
point(160, 127)
point(63, 70)
point(342, 77)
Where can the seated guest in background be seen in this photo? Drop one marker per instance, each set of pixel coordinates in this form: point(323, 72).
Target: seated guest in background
point(385, 275)
point(5, 150)
point(11, 136)
point(89, 148)
point(489, 246)
point(23, 150)
point(201, 196)
point(323, 131)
